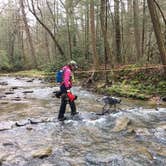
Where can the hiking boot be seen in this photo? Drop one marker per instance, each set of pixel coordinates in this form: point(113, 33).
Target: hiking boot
point(74, 113)
point(62, 119)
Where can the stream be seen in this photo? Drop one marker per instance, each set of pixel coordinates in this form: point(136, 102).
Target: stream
point(31, 135)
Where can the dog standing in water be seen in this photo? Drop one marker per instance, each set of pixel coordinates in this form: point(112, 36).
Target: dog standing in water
point(108, 102)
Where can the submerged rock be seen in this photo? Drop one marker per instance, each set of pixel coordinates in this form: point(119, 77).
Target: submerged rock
point(6, 125)
point(17, 99)
point(142, 131)
point(31, 80)
point(22, 123)
point(2, 96)
point(3, 83)
point(42, 153)
point(145, 152)
point(121, 124)
point(9, 93)
point(2, 158)
point(28, 91)
point(113, 160)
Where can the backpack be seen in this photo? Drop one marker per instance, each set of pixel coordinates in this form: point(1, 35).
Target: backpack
point(59, 76)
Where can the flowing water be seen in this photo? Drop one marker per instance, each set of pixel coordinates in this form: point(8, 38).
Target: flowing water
point(130, 136)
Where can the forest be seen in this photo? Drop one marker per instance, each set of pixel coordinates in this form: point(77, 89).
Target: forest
point(108, 107)
point(98, 34)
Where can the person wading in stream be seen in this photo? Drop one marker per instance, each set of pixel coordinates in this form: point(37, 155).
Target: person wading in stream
point(65, 93)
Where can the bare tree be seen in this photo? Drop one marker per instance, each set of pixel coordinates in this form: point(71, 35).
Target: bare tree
point(103, 21)
point(34, 12)
point(117, 30)
point(137, 29)
point(157, 30)
point(32, 50)
point(93, 35)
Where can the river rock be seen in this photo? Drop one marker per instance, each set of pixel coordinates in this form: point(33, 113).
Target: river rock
point(4, 102)
point(31, 80)
point(17, 99)
point(142, 131)
point(14, 87)
point(28, 91)
point(9, 93)
point(6, 125)
point(3, 83)
point(2, 96)
point(145, 152)
point(113, 160)
point(2, 158)
point(42, 153)
point(161, 151)
point(121, 124)
point(22, 123)
point(46, 164)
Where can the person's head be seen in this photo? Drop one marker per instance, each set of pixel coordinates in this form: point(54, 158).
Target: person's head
point(73, 65)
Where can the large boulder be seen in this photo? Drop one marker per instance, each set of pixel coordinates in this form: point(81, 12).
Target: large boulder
point(121, 124)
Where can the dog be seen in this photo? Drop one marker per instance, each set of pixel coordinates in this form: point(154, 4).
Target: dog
point(108, 102)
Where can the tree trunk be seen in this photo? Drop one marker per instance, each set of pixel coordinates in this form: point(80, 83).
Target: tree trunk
point(93, 35)
point(47, 47)
point(117, 31)
point(56, 43)
point(69, 35)
point(87, 32)
point(11, 46)
point(137, 29)
point(158, 33)
point(143, 28)
point(32, 50)
point(103, 21)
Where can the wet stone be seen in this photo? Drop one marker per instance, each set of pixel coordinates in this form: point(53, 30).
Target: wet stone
point(114, 160)
point(28, 91)
point(8, 144)
point(121, 124)
point(17, 99)
point(6, 126)
point(2, 96)
point(14, 87)
point(31, 80)
point(22, 123)
point(9, 93)
point(3, 83)
point(42, 153)
point(4, 102)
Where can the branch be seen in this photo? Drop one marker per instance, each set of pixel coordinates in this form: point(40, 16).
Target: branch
point(52, 14)
point(158, 6)
point(33, 11)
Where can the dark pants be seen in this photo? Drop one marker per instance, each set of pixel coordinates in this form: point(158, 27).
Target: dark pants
point(64, 101)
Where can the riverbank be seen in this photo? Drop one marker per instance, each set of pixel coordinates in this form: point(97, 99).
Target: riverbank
point(147, 84)
point(31, 135)
point(130, 82)
point(25, 73)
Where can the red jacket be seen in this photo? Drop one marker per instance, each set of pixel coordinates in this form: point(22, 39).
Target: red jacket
point(67, 77)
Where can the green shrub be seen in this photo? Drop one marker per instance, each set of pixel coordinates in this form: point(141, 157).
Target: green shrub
point(4, 61)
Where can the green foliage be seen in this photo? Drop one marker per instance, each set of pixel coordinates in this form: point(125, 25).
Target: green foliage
point(4, 61)
point(52, 67)
point(140, 84)
point(77, 55)
point(17, 62)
